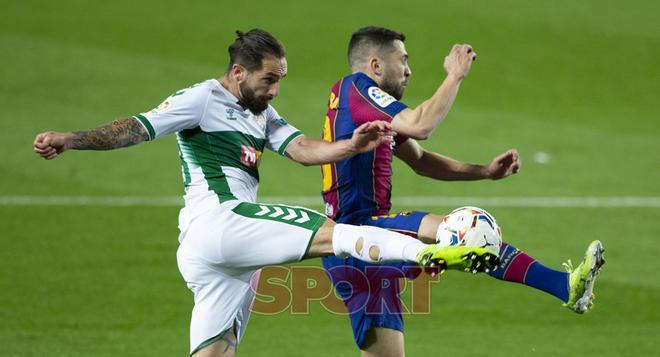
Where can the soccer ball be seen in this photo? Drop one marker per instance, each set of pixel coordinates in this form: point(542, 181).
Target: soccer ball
point(470, 227)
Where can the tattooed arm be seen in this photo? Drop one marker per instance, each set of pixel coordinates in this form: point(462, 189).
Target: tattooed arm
point(117, 134)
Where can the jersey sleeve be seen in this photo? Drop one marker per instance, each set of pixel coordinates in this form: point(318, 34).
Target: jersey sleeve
point(182, 110)
point(279, 133)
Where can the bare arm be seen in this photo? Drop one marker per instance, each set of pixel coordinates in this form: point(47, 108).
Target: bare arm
point(439, 167)
point(365, 138)
point(420, 122)
point(116, 134)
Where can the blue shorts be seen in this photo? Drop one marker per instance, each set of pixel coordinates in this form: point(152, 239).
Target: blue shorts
point(371, 291)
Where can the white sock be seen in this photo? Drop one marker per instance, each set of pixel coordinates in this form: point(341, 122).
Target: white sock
point(390, 246)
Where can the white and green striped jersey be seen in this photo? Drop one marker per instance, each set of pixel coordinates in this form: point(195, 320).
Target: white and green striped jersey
point(220, 143)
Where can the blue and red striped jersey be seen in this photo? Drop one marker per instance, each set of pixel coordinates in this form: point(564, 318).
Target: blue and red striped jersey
point(360, 185)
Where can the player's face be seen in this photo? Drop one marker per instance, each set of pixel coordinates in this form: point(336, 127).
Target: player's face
point(261, 86)
point(396, 71)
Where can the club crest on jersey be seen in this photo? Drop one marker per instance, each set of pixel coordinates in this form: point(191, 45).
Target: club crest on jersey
point(231, 114)
point(250, 156)
point(380, 96)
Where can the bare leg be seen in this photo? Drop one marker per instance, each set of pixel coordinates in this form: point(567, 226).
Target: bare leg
point(322, 242)
point(428, 228)
point(383, 342)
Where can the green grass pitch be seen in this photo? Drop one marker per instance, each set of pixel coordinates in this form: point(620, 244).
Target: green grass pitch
point(578, 81)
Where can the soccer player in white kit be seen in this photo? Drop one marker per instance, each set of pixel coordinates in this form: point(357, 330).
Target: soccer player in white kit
point(222, 128)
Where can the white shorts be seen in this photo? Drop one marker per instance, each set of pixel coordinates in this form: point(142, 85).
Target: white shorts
point(222, 249)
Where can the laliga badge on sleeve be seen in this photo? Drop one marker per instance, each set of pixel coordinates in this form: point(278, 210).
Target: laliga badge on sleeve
point(281, 122)
point(380, 96)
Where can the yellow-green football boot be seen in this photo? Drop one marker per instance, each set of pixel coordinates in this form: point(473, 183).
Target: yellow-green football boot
point(582, 278)
point(468, 259)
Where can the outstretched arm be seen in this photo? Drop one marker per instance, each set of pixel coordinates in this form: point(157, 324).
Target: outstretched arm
point(419, 123)
point(439, 167)
point(365, 138)
point(117, 134)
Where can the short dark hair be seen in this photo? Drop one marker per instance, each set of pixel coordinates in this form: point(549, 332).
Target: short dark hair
point(368, 37)
point(250, 48)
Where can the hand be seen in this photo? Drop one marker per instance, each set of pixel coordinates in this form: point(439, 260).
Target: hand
point(370, 135)
point(504, 165)
point(50, 144)
point(459, 60)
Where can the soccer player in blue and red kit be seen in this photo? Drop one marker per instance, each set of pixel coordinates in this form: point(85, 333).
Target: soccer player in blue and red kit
point(357, 190)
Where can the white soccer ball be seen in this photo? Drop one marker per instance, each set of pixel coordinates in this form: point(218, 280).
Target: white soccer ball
point(470, 227)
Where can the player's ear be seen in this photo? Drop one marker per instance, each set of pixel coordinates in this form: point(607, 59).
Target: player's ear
point(238, 72)
point(375, 65)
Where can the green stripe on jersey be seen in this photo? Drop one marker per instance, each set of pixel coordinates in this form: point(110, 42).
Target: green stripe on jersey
point(147, 124)
point(194, 146)
point(287, 141)
point(185, 169)
point(295, 216)
point(187, 156)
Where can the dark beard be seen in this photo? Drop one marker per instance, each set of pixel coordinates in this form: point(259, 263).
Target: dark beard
point(250, 101)
point(393, 89)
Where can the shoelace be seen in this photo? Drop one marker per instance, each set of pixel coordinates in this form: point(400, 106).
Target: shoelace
point(568, 265)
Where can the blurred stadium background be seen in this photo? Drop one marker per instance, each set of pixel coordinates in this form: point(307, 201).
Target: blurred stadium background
point(573, 86)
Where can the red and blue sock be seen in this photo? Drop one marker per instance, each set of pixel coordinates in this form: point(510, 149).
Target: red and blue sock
point(517, 266)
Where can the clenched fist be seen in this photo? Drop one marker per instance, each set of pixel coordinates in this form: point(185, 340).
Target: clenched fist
point(50, 144)
point(459, 60)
